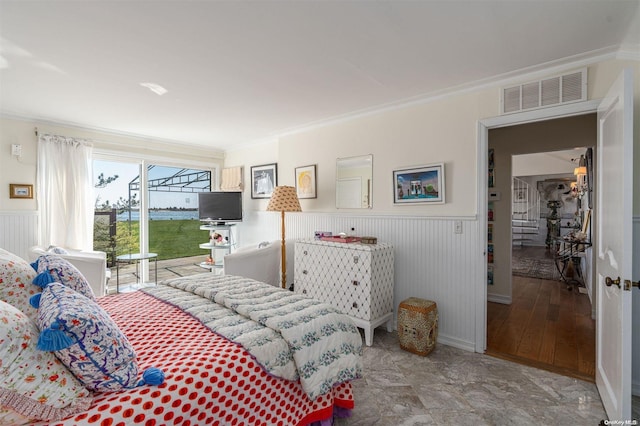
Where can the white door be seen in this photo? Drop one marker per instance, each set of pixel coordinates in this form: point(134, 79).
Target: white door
point(613, 247)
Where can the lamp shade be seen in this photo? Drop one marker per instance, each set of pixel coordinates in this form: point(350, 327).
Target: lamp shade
point(284, 199)
point(582, 170)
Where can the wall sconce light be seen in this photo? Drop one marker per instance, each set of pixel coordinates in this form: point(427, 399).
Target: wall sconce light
point(579, 187)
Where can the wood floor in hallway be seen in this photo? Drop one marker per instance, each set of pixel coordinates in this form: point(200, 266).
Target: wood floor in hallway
point(546, 326)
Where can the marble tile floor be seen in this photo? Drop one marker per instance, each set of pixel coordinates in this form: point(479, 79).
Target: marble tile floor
point(452, 386)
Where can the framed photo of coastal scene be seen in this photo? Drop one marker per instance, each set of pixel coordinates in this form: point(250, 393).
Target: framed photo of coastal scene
point(423, 184)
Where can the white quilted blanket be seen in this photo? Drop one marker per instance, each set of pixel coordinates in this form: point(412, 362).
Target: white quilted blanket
point(292, 336)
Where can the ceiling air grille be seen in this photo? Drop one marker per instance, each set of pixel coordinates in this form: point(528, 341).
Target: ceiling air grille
point(561, 89)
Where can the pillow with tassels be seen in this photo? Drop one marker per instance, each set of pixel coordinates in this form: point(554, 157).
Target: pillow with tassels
point(51, 267)
point(83, 336)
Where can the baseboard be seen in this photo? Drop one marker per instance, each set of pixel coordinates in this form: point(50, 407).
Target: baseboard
point(447, 340)
point(499, 298)
point(456, 343)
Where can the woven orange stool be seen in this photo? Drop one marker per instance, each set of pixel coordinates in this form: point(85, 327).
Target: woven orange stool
point(418, 325)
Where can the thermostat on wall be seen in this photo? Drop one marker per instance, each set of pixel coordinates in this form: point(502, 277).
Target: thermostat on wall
point(494, 195)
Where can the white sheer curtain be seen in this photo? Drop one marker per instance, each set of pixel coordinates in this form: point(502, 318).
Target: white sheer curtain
point(65, 192)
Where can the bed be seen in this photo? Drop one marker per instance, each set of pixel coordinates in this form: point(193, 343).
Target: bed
point(233, 351)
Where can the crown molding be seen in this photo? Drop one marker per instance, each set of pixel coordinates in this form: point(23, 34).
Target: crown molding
point(518, 76)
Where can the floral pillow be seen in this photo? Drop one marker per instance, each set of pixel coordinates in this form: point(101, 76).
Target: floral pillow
point(16, 277)
point(54, 268)
point(33, 383)
point(85, 339)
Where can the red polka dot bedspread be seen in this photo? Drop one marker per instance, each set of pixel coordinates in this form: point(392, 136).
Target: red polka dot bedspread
point(209, 380)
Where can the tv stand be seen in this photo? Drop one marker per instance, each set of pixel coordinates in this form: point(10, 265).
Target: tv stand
point(213, 223)
point(218, 247)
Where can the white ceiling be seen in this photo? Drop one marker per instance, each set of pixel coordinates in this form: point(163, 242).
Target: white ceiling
point(241, 72)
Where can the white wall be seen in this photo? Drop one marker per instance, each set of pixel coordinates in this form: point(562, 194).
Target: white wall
point(440, 131)
point(17, 170)
point(443, 130)
point(543, 163)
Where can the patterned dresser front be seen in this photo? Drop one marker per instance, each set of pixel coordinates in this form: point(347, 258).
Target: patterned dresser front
point(355, 278)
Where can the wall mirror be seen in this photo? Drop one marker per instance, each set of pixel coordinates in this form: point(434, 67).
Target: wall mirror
point(354, 182)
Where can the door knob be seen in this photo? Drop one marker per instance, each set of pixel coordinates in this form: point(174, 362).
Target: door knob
point(628, 284)
point(609, 282)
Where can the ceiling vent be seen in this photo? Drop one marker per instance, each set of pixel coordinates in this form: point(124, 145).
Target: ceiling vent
point(552, 91)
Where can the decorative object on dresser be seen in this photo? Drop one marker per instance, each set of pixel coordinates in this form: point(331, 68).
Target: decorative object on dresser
point(418, 325)
point(355, 278)
point(284, 199)
point(341, 239)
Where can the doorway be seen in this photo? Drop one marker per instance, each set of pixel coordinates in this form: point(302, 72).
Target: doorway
point(532, 320)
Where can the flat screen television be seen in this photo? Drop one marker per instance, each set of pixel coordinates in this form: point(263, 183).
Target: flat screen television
point(220, 207)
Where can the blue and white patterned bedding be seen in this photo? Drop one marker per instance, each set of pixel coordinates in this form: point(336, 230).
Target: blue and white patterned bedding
point(292, 336)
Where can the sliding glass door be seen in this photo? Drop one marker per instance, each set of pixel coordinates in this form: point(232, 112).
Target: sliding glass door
point(172, 209)
point(144, 208)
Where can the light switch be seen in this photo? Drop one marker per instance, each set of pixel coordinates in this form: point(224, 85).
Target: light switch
point(457, 227)
point(16, 150)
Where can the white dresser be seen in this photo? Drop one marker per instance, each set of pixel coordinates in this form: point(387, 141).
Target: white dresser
point(355, 278)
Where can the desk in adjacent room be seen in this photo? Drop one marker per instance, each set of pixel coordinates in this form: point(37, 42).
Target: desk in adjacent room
point(566, 251)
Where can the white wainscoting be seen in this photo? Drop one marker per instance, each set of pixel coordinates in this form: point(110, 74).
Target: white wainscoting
point(18, 231)
point(431, 261)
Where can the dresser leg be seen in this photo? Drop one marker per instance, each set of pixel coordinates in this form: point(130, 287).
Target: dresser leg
point(390, 324)
point(368, 335)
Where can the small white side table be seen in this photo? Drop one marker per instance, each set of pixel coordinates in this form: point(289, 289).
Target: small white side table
point(135, 258)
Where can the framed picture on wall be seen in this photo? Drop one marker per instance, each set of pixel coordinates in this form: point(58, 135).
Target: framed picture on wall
point(424, 184)
point(20, 190)
point(263, 179)
point(306, 181)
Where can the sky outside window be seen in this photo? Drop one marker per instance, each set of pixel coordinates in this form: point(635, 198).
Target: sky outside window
point(173, 197)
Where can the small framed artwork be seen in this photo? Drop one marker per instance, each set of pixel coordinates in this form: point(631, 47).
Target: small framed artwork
point(263, 179)
point(306, 181)
point(424, 184)
point(19, 190)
